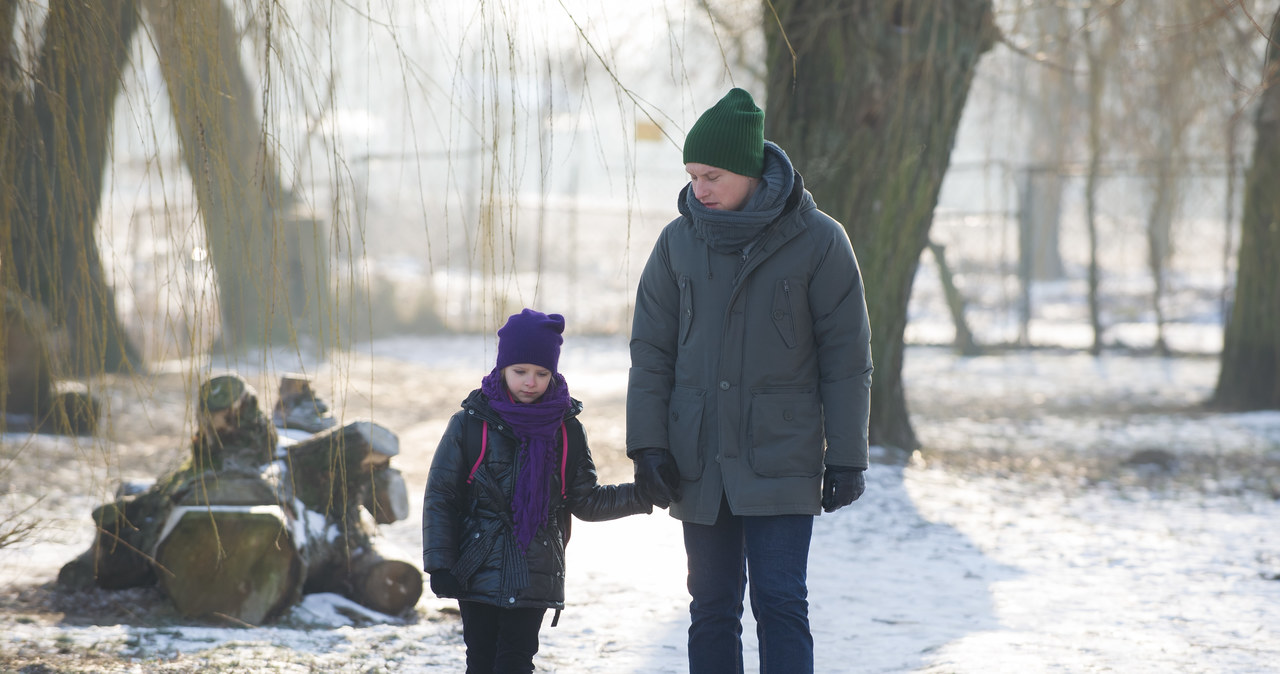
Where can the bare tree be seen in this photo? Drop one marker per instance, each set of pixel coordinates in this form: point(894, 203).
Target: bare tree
point(1250, 374)
point(866, 97)
point(1102, 33)
point(272, 269)
point(54, 136)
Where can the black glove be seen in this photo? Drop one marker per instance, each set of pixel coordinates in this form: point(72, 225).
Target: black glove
point(657, 478)
point(444, 584)
point(841, 486)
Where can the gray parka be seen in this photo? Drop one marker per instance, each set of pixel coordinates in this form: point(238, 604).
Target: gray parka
point(753, 371)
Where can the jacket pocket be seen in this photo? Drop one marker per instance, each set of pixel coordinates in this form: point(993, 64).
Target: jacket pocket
point(783, 314)
point(684, 430)
point(686, 308)
point(476, 548)
point(785, 432)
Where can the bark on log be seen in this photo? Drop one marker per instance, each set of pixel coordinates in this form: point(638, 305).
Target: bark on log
point(349, 565)
point(120, 555)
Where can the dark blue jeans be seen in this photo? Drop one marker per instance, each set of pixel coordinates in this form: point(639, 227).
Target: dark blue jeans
point(775, 552)
point(500, 640)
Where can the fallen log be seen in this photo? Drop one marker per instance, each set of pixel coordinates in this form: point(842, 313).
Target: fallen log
point(338, 466)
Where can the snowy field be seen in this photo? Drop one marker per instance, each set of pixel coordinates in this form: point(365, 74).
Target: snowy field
point(1024, 537)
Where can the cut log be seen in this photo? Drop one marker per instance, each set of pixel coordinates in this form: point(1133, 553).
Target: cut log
point(387, 497)
point(298, 407)
point(388, 586)
point(212, 488)
point(232, 431)
point(330, 470)
point(26, 379)
point(232, 562)
point(118, 559)
point(30, 398)
point(244, 527)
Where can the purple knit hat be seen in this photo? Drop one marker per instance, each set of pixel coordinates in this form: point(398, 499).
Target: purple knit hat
point(531, 337)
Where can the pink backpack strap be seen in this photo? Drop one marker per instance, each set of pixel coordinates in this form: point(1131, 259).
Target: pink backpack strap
point(484, 446)
point(564, 456)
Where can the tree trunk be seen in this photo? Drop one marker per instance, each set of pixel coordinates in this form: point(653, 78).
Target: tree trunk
point(53, 152)
point(866, 97)
point(271, 265)
point(1097, 56)
point(1159, 226)
point(1250, 374)
point(963, 343)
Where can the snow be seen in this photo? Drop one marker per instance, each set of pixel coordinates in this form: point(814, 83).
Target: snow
point(934, 569)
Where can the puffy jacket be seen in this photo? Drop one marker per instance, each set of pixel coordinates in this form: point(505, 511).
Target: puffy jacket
point(467, 528)
point(752, 371)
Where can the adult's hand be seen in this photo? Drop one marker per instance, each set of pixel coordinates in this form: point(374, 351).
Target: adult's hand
point(841, 486)
point(657, 478)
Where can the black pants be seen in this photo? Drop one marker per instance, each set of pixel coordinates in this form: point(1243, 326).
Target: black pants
point(500, 640)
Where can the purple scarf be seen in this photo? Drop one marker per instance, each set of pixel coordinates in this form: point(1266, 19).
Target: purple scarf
point(536, 424)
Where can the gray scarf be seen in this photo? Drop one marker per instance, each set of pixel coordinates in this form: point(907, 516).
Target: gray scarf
point(731, 231)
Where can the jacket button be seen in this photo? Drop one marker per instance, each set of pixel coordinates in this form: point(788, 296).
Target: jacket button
point(724, 386)
point(511, 600)
point(787, 415)
point(476, 535)
point(675, 416)
point(777, 314)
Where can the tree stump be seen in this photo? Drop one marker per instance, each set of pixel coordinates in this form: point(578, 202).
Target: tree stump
point(30, 398)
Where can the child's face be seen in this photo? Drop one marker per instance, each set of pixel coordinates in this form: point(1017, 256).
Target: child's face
point(526, 382)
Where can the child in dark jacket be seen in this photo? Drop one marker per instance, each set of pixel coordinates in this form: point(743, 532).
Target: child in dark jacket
point(511, 468)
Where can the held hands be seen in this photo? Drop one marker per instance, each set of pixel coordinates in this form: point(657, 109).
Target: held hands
point(841, 486)
point(657, 478)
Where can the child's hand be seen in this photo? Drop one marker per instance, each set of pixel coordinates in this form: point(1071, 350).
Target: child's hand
point(443, 584)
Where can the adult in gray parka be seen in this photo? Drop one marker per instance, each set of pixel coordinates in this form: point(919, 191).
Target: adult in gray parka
point(750, 384)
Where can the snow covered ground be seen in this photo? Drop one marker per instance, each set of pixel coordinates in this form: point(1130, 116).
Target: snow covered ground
point(1078, 563)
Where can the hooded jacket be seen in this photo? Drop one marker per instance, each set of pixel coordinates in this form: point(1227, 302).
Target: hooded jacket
point(467, 527)
point(753, 369)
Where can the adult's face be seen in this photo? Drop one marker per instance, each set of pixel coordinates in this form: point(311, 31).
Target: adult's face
point(719, 189)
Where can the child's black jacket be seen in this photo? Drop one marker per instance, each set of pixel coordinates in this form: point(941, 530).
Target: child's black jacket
point(467, 528)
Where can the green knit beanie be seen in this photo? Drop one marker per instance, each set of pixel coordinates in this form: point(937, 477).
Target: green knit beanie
point(729, 136)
